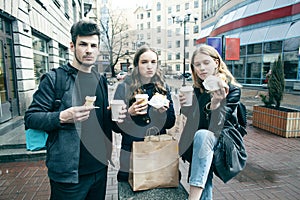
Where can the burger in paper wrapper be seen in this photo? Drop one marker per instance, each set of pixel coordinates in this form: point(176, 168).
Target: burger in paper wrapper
point(211, 83)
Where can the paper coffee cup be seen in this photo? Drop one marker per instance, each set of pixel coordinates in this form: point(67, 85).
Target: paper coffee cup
point(145, 97)
point(116, 107)
point(187, 91)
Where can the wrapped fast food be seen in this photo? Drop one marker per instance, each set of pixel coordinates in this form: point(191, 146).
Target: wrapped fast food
point(159, 101)
point(211, 83)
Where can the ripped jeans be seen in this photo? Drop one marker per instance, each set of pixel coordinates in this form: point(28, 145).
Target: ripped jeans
point(201, 170)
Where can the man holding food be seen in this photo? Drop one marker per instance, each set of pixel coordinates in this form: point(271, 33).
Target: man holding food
point(79, 133)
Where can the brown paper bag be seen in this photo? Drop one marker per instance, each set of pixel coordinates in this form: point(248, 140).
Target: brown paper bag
point(154, 163)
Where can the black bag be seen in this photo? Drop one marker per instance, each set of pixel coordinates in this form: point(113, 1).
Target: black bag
point(230, 156)
point(242, 114)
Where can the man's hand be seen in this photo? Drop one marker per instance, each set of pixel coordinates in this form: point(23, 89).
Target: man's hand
point(75, 114)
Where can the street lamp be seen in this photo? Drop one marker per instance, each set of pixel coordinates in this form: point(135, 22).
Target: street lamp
point(179, 20)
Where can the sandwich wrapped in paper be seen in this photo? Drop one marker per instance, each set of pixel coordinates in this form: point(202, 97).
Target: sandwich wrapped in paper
point(159, 101)
point(211, 83)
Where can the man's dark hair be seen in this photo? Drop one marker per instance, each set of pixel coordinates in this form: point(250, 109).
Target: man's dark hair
point(84, 28)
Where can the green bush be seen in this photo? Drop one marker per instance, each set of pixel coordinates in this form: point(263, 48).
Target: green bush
point(276, 85)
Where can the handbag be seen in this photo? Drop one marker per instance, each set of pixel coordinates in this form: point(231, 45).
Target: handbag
point(154, 163)
point(230, 155)
point(35, 139)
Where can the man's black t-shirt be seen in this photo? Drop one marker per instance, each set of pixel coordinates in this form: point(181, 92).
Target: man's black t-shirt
point(92, 145)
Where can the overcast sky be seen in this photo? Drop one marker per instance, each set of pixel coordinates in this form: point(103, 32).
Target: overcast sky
point(128, 3)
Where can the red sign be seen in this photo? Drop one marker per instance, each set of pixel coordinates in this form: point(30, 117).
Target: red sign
point(232, 50)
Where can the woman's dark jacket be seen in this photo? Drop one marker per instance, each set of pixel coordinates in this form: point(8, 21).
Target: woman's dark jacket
point(63, 144)
point(134, 128)
point(199, 117)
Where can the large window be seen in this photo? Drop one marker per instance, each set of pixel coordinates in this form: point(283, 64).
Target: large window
point(40, 57)
point(253, 69)
point(254, 49)
point(63, 51)
point(290, 60)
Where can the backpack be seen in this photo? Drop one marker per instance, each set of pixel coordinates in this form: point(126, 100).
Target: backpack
point(36, 139)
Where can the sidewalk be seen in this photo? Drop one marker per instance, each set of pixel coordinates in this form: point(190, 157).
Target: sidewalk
point(272, 171)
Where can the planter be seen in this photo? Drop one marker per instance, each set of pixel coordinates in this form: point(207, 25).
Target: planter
point(283, 121)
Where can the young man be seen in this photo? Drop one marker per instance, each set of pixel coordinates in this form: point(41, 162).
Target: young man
point(79, 135)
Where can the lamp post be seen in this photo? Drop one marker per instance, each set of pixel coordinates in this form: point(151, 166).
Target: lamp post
point(179, 20)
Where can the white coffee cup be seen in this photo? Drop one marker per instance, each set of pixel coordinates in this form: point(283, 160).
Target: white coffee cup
point(187, 91)
point(145, 97)
point(116, 107)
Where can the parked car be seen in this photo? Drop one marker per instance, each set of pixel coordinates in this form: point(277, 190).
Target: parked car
point(121, 75)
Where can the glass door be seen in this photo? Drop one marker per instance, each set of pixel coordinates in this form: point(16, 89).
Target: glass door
point(8, 96)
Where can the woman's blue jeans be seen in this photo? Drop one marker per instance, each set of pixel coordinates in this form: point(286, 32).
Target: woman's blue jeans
point(201, 171)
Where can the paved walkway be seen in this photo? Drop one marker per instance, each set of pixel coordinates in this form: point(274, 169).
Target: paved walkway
point(272, 171)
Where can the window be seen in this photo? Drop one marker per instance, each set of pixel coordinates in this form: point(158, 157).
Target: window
point(158, 29)
point(177, 56)
point(158, 18)
point(142, 16)
point(177, 31)
point(169, 56)
point(142, 26)
point(196, 29)
point(177, 8)
point(290, 60)
point(148, 25)
point(40, 57)
point(169, 10)
point(169, 44)
point(187, 55)
point(196, 4)
point(148, 14)
point(273, 47)
point(66, 7)
point(178, 43)
point(169, 33)
point(158, 41)
point(62, 51)
point(74, 11)
point(158, 6)
point(187, 6)
point(254, 49)
point(242, 50)
point(253, 69)
point(170, 21)
point(194, 42)
point(177, 67)
point(186, 43)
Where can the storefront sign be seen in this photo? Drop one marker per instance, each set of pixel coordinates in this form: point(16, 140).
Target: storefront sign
point(215, 42)
point(232, 49)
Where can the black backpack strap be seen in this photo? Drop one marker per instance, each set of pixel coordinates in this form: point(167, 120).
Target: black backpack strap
point(60, 86)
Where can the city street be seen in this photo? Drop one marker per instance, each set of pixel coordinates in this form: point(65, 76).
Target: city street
point(272, 171)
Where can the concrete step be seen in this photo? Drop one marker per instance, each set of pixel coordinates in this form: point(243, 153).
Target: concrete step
point(17, 155)
point(13, 144)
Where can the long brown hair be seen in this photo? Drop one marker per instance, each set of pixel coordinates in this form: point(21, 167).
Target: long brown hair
point(136, 83)
point(222, 67)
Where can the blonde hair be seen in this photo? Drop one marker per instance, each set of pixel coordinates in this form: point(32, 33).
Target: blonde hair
point(222, 67)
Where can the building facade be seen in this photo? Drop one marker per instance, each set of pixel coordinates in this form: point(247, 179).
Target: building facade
point(34, 37)
point(172, 28)
point(266, 29)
